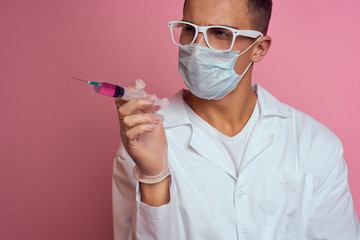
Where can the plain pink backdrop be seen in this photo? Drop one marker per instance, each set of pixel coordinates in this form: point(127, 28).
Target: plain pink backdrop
point(58, 138)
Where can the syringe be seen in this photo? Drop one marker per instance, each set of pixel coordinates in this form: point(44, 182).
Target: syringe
point(125, 93)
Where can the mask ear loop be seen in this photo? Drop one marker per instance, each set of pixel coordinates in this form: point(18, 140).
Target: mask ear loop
point(246, 69)
point(250, 61)
point(249, 46)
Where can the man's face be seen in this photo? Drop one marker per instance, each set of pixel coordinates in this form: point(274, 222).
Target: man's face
point(230, 13)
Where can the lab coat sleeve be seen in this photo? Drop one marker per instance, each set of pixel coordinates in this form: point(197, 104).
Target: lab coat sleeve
point(332, 214)
point(133, 219)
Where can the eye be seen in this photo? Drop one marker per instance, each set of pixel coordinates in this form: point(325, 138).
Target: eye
point(188, 28)
point(220, 33)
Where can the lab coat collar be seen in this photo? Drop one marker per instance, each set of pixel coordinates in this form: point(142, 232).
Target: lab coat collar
point(176, 115)
point(269, 106)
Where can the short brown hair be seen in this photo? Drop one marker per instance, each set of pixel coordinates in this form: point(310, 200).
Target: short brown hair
point(260, 14)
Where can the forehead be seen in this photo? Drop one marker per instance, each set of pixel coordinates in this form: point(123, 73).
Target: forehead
point(232, 13)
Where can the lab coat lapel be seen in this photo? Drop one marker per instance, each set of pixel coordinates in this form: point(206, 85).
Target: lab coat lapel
point(261, 137)
point(200, 141)
point(259, 140)
point(207, 148)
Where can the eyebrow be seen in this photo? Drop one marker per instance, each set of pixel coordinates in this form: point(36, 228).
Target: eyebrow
point(222, 25)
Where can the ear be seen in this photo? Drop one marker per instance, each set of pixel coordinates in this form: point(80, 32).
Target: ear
point(261, 48)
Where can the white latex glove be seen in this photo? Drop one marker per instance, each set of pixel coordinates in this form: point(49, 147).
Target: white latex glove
point(142, 132)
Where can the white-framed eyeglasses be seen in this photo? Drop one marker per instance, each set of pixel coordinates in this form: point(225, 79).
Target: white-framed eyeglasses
point(218, 38)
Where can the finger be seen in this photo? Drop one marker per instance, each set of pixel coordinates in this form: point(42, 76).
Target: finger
point(150, 109)
point(134, 133)
point(134, 105)
point(137, 119)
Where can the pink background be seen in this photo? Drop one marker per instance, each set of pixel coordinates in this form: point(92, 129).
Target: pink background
point(58, 138)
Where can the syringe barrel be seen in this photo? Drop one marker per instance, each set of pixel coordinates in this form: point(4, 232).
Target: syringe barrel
point(109, 89)
point(127, 94)
point(130, 94)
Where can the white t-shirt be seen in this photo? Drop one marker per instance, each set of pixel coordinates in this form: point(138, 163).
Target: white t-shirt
point(232, 147)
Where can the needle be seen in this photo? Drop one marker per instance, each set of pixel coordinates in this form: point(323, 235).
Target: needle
point(79, 79)
point(96, 84)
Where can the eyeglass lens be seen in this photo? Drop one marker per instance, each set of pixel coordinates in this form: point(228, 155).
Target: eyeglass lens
point(218, 38)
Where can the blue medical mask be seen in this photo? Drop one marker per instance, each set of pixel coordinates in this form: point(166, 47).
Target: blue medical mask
point(207, 73)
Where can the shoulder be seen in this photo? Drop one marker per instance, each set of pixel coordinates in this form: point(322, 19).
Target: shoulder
point(319, 150)
point(304, 127)
point(314, 133)
point(317, 147)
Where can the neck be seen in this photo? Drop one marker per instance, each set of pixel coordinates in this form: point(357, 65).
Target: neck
point(230, 114)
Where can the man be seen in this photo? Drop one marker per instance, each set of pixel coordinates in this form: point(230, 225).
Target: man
point(227, 160)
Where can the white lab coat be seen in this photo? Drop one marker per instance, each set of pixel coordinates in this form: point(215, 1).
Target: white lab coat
point(291, 183)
